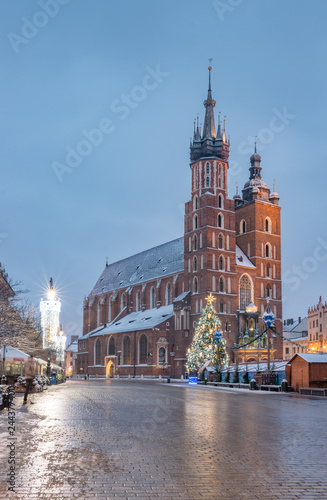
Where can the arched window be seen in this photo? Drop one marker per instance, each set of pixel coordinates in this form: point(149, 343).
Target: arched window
point(200, 240)
point(138, 301)
point(195, 242)
point(99, 314)
point(195, 222)
point(195, 264)
point(268, 269)
point(221, 307)
point(268, 250)
point(122, 302)
point(111, 346)
point(152, 298)
point(245, 291)
point(221, 263)
point(110, 310)
point(195, 203)
point(97, 352)
point(127, 351)
point(208, 168)
point(221, 284)
point(143, 350)
point(221, 241)
point(207, 182)
point(213, 284)
point(220, 201)
point(195, 285)
point(201, 284)
point(267, 225)
point(268, 291)
point(162, 355)
point(168, 294)
point(220, 220)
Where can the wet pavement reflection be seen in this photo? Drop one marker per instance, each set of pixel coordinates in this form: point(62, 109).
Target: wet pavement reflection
point(139, 439)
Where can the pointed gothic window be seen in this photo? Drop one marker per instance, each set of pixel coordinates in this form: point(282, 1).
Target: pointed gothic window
point(221, 307)
point(195, 203)
point(138, 301)
point(127, 351)
point(168, 294)
point(221, 284)
point(195, 222)
point(110, 310)
point(220, 220)
point(220, 201)
point(152, 298)
point(143, 350)
point(195, 285)
point(195, 264)
point(221, 241)
point(221, 263)
point(208, 168)
point(268, 225)
point(123, 302)
point(245, 291)
point(111, 346)
point(97, 352)
point(268, 291)
point(268, 250)
point(207, 182)
point(195, 242)
point(268, 273)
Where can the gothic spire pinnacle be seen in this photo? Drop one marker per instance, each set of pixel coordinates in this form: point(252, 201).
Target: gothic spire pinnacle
point(209, 130)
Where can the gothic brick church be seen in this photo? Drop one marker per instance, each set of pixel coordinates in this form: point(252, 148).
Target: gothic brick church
point(140, 316)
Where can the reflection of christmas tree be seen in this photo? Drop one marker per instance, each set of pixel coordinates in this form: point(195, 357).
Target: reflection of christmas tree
point(205, 346)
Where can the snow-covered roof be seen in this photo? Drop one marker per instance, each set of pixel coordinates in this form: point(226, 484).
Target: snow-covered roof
point(12, 354)
point(141, 320)
point(157, 262)
point(242, 259)
point(73, 347)
point(313, 358)
point(296, 327)
point(296, 339)
point(181, 296)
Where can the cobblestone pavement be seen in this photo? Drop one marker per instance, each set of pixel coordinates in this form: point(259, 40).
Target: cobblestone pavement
point(138, 439)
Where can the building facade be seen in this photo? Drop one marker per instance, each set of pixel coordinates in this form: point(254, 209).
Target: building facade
point(141, 314)
point(317, 327)
point(295, 334)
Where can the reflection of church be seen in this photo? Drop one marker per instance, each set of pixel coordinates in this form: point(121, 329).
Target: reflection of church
point(140, 316)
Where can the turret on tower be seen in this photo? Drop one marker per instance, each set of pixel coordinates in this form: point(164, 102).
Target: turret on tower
point(211, 144)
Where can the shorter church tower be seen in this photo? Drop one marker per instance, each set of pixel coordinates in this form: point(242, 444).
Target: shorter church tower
point(257, 224)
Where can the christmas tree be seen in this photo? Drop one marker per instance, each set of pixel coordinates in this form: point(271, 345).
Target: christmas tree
point(208, 343)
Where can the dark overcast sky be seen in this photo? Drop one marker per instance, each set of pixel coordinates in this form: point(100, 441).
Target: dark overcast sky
point(64, 73)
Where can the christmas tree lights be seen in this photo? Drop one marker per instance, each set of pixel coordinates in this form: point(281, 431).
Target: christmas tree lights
point(208, 343)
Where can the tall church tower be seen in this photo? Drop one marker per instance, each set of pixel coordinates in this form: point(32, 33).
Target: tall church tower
point(209, 237)
point(257, 218)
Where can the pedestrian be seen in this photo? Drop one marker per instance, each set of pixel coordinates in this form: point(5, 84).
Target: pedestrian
point(88, 376)
point(29, 377)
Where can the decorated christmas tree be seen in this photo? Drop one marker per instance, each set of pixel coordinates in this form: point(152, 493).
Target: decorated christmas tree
point(208, 344)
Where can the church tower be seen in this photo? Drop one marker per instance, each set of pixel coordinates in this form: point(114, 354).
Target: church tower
point(209, 238)
point(257, 223)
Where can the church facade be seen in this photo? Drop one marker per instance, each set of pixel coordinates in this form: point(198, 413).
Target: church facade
point(140, 317)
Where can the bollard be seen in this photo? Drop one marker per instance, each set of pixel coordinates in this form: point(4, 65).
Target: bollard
point(253, 385)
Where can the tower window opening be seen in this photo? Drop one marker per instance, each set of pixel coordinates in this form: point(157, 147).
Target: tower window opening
point(207, 182)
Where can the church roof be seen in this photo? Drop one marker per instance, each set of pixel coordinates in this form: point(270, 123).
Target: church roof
point(136, 321)
point(158, 262)
point(242, 259)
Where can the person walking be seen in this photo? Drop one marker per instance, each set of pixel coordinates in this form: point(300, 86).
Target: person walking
point(29, 376)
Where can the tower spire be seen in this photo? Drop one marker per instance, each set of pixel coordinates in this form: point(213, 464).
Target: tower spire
point(209, 130)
